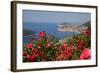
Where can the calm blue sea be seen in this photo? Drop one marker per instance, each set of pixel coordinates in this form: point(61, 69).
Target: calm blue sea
point(50, 28)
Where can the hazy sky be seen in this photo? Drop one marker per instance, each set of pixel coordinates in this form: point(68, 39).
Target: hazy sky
point(55, 17)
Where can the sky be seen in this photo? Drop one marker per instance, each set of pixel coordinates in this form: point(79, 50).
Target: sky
point(31, 16)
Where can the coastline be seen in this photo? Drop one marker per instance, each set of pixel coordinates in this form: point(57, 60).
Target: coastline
point(71, 28)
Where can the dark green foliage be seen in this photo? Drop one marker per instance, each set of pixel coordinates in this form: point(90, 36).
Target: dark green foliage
point(87, 24)
point(27, 32)
point(76, 55)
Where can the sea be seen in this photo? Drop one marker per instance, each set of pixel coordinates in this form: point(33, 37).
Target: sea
point(51, 28)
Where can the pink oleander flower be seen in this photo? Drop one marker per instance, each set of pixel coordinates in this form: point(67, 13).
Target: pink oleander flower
point(68, 53)
point(64, 46)
point(31, 58)
point(86, 54)
point(42, 34)
point(30, 46)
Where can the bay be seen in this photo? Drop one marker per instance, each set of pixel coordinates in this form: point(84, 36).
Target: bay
point(50, 28)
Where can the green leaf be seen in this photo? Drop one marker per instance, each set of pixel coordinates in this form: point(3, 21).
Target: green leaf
point(49, 53)
point(76, 55)
point(38, 59)
point(35, 44)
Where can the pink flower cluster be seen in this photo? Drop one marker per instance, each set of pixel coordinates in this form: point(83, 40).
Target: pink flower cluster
point(86, 54)
point(43, 49)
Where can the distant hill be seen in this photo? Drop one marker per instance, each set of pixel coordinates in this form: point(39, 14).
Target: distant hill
point(27, 32)
point(87, 24)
